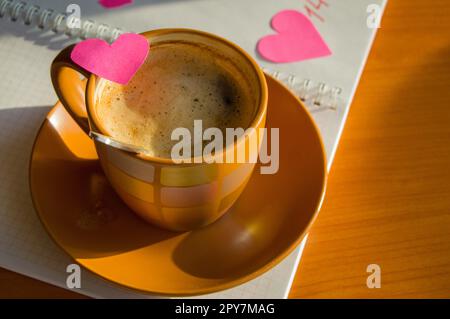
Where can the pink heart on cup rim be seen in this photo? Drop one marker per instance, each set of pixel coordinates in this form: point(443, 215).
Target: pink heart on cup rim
point(297, 39)
point(117, 62)
point(113, 3)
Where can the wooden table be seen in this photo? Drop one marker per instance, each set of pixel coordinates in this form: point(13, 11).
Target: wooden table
point(388, 197)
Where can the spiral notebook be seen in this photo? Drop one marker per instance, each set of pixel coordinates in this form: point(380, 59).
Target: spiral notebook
point(31, 36)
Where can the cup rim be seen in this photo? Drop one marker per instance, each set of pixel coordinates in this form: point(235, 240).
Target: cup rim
point(256, 121)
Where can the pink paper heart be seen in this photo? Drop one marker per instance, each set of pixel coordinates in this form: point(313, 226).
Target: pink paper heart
point(113, 3)
point(297, 39)
point(117, 62)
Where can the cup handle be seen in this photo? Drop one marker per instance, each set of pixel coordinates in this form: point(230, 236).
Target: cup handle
point(70, 86)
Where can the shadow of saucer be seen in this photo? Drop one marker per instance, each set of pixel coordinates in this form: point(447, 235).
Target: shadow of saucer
point(18, 220)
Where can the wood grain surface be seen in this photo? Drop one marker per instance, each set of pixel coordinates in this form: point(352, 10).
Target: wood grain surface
point(388, 197)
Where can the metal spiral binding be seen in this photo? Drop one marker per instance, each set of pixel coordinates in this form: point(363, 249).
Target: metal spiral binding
point(315, 95)
point(59, 23)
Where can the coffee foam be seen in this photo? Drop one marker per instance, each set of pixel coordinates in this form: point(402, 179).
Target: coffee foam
point(178, 83)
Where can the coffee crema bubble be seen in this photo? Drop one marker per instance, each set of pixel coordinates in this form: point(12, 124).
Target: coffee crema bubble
point(179, 82)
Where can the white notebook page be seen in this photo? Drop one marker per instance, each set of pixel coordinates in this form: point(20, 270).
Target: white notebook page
point(27, 95)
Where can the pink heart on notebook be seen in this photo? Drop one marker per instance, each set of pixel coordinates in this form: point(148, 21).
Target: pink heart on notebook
point(113, 3)
point(297, 39)
point(117, 62)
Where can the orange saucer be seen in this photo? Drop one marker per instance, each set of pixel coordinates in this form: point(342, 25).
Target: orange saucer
point(85, 217)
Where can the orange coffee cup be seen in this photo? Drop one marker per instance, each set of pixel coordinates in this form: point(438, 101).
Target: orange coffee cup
point(174, 196)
